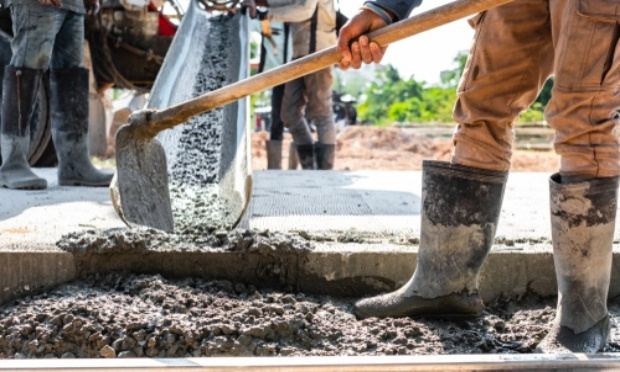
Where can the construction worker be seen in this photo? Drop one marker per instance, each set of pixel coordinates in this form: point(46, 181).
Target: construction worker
point(517, 47)
point(47, 34)
point(313, 27)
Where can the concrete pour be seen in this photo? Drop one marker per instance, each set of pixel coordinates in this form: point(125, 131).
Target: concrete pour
point(258, 292)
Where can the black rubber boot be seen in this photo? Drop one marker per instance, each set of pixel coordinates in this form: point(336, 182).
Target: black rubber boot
point(2, 67)
point(460, 210)
point(306, 156)
point(20, 87)
point(583, 217)
point(274, 154)
point(325, 156)
point(69, 108)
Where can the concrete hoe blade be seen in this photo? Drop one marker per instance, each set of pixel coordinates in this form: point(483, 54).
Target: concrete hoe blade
point(196, 175)
point(143, 179)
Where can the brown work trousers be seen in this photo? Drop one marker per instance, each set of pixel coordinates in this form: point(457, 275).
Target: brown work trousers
point(312, 93)
point(516, 47)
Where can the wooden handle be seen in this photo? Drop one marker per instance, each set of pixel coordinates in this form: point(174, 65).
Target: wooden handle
point(180, 113)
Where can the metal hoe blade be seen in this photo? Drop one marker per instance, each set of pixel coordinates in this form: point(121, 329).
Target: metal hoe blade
point(143, 179)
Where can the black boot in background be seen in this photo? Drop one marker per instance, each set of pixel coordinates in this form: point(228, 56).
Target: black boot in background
point(20, 88)
point(69, 108)
point(325, 156)
point(306, 156)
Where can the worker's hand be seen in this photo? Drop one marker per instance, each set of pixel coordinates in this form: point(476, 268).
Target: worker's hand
point(248, 6)
point(92, 7)
point(54, 3)
point(358, 51)
point(261, 3)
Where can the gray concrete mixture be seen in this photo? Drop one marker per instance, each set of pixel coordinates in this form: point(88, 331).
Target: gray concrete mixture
point(126, 315)
point(123, 314)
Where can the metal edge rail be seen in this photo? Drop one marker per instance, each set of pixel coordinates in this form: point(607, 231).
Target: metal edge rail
point(473, 362)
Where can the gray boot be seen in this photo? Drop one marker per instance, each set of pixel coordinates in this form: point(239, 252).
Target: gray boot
point(325, 156)
point(69, 108)
point(274, 154)
point(583, 217)
point(460, 210)
point(20, 87)
point(306, 156)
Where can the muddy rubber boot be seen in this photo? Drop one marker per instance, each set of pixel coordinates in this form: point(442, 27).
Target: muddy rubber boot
point(325, 156)
point(583, 216)
point(20, 87)
point(274, 154)
point(305, 154)
point(460, 210)
point(69, 108)
point(1, 84)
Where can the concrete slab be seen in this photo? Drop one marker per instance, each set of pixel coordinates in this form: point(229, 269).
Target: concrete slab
point(35, 220)
point(376, 202)
point(379, 202)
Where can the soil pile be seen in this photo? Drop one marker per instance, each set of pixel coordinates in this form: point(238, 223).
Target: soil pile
point(394, 148)
point(123, 315)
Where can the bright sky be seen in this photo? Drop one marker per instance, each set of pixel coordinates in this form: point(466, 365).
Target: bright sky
point(424, 55)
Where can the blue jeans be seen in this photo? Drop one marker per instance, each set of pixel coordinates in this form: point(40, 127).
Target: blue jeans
point(46, 37)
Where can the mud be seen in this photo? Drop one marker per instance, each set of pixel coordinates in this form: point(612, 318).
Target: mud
point(124, 315)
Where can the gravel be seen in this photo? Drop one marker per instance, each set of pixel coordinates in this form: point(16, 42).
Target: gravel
point(126, 315)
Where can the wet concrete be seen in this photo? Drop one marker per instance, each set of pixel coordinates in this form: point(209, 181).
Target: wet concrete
point(125, 315)
point(207, 157)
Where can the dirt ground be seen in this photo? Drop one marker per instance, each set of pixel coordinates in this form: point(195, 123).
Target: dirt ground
point(372, 148)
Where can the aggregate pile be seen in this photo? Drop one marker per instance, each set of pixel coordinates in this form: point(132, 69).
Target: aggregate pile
point(125, 315)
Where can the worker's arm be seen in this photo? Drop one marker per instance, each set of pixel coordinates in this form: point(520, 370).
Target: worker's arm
point(400, 9)
point(373, 15)
point(290, 10)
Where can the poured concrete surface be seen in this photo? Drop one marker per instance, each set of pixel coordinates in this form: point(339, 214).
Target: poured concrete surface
point(373, 203)
point(35, 220)
point(381, 202)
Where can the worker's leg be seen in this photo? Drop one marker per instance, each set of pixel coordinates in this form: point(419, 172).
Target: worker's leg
point(510, 61)
point(69, 107)
point(34, 29)
point(320, 107)
point(584, 194)
point(293, 110)
point(461, 201)
point(276, 132)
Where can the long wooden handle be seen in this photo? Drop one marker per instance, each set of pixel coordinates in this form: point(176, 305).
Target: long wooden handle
point(180, 113)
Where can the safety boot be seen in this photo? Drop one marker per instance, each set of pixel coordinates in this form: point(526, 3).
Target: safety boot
point(583, 216)
point(69, 108)
point(305, 154)
point(325, 156)
point(460, 211)
point(20, 87)
point(274, 154)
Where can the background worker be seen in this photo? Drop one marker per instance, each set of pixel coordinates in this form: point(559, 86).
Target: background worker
point(517, 47)
point(47, 34)
point(313, 28)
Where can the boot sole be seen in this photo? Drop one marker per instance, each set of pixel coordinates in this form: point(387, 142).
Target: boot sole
point(82, 183)
point(37, 187)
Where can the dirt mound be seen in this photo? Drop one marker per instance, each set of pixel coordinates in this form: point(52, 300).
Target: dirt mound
point(366, 148)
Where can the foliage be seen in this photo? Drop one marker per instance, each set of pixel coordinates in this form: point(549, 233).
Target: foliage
point(389, 98)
